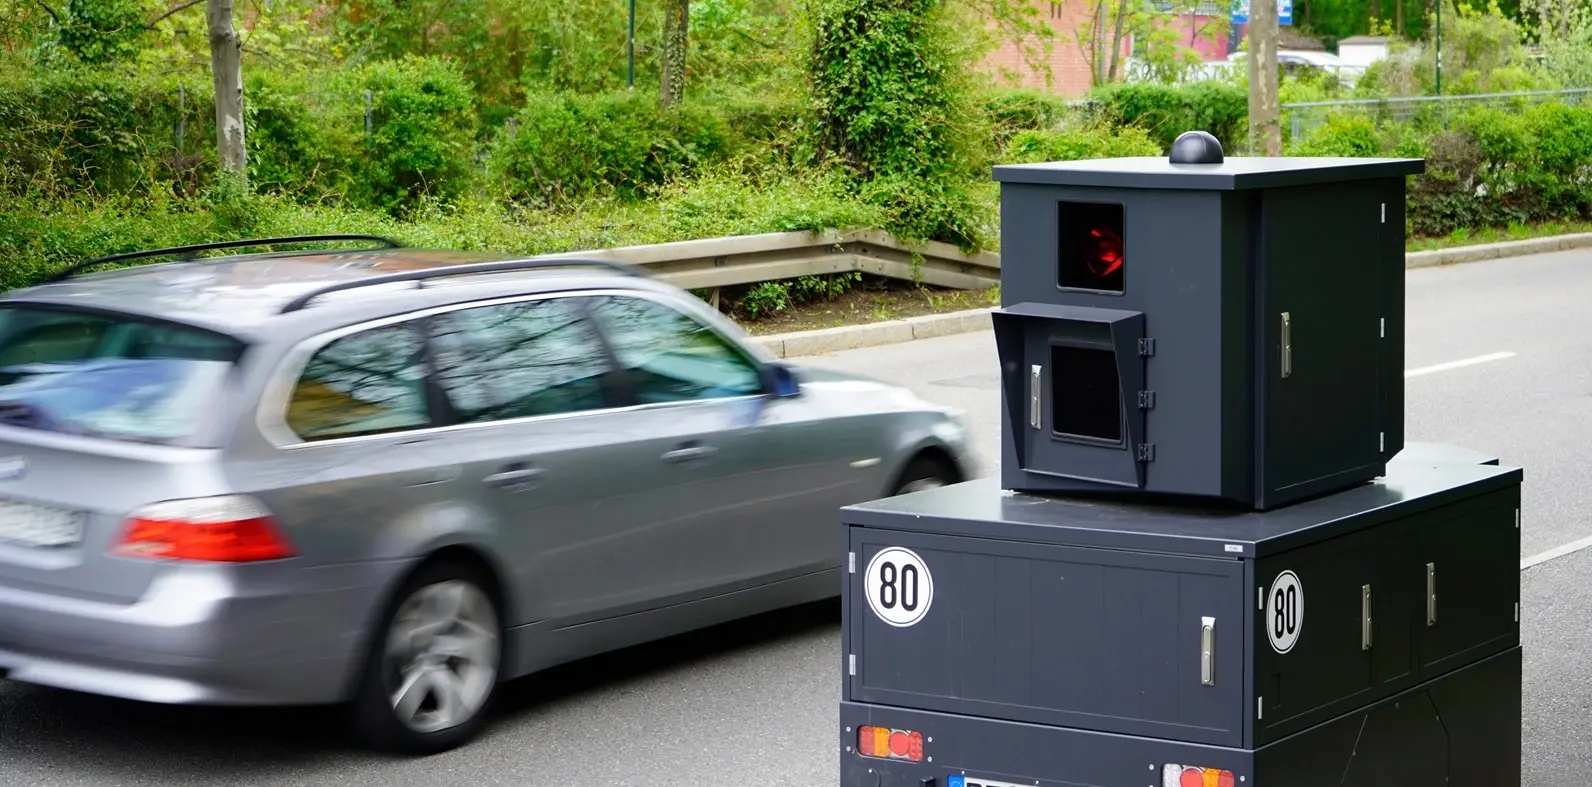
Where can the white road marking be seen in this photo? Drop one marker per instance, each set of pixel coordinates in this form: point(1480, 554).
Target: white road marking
point(1556, 552)
point(1459, 364)
point(1540, 557)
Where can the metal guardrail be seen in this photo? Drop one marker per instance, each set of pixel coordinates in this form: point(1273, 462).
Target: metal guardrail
point(1305, 116)
point(751, 259)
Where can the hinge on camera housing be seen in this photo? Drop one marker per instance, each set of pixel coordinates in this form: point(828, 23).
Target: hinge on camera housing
point(1146, 347)
point(1146, 400)
point(1146, 452)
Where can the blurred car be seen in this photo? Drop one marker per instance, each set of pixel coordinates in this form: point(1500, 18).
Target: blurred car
point(390, 478)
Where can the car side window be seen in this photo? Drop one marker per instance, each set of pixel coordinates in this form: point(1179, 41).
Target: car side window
point(669, 356)
point(519, 360)
point(369, 382)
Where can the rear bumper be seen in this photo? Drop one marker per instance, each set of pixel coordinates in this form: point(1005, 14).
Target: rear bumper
point(225, 635)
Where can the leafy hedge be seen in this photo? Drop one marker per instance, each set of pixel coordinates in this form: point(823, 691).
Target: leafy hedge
point(78, 130)
point(103, 133)
point(1489, 167)
point(90, 161)
point(1166, 111)
point(565, 147)
point(36, 238)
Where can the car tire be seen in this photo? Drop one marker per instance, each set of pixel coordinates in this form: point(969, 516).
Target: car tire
point(432, 667)
point(924, 472)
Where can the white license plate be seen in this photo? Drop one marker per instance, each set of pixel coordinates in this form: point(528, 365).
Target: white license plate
point(38, 526)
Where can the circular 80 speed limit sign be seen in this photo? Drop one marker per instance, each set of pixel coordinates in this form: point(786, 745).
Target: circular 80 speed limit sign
point(898, 586)
point(1285, 611)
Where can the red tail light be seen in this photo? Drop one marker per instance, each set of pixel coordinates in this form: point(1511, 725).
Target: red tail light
point(890, 743)
point(1191, 776)
point(230, 529)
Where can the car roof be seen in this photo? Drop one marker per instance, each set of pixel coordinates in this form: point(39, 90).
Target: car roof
point(246, 293)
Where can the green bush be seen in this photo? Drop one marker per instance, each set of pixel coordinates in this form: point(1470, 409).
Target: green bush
point(569, 147)
point(422, 139)
point(37, 237)
point(1166, 111)
point(79, 130)
point(1341, 135)
point(1500, 167)
point(893, 100)
point(1011, 111)
point(1075, 144)
point(304, 140)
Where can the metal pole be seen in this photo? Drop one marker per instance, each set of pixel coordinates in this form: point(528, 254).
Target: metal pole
point(630, 47)
point(1439, 47)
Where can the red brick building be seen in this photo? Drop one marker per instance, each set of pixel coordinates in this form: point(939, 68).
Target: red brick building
point(1068, 65)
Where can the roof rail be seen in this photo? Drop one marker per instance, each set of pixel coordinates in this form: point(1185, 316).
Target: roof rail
point(188, 252)
point(502, 266)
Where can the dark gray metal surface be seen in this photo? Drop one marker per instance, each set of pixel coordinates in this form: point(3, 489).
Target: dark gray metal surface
point(980, 508)
point(1039, 619)
point(1156, 172)
point(1258, 334)
point(1460, 730)
point(1368, 628)
point(1086, 638)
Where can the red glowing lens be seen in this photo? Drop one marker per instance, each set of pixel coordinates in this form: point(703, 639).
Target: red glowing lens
point(1091, 247)
point(1108, 251)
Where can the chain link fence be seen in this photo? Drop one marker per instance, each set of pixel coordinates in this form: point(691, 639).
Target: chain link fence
point(1422, 111)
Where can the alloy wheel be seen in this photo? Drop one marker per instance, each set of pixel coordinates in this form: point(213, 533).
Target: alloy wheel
point(441, 656)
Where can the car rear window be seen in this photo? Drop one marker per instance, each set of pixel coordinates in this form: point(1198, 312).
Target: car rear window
point(106, 375)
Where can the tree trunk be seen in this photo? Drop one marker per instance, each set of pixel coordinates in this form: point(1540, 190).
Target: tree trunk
point(672, 89)
point(226, 68)
point(1116, 41)
point(1265, 121)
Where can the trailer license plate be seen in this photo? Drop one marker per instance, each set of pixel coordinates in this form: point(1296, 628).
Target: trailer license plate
point(39, 526)
point(974, 781)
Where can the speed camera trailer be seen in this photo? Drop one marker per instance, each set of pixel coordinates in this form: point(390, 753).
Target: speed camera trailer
point(1244, 577)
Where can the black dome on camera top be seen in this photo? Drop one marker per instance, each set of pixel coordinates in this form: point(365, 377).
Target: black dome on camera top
point(1196, 147)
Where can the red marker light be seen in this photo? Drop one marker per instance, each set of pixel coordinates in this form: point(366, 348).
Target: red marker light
point(890, 744)
point(1108, 252)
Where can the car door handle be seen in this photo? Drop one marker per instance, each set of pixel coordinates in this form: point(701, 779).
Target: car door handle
point(689, 453)
point(514, 480)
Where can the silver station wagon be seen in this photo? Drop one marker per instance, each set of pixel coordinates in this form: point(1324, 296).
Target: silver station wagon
point(389, 479)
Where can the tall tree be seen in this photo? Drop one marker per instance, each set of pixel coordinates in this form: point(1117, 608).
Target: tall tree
point(672, 87)
point(226, 69)
point(1265, 116)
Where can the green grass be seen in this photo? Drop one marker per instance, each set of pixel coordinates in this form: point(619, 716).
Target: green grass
point(1469, 237)
point(36, 239)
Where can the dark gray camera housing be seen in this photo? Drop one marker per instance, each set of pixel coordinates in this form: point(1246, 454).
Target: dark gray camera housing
point(1230, 331)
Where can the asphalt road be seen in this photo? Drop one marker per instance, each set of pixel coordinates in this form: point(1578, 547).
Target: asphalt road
point(754, 703)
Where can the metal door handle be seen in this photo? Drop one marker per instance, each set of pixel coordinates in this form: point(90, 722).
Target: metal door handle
point(689, 453)
point(1431, 594)
point(1035, 377)
point(1287, 345)
point(1365, 617)
point(513, 480)
point(1207, 651)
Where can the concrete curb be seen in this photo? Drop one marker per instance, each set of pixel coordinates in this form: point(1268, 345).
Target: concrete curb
point(1494, 251)
point(851, 337)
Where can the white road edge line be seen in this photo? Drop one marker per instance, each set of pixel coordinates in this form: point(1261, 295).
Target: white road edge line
point(1556, 552)
point(1459, 364)
point(1540, 557)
